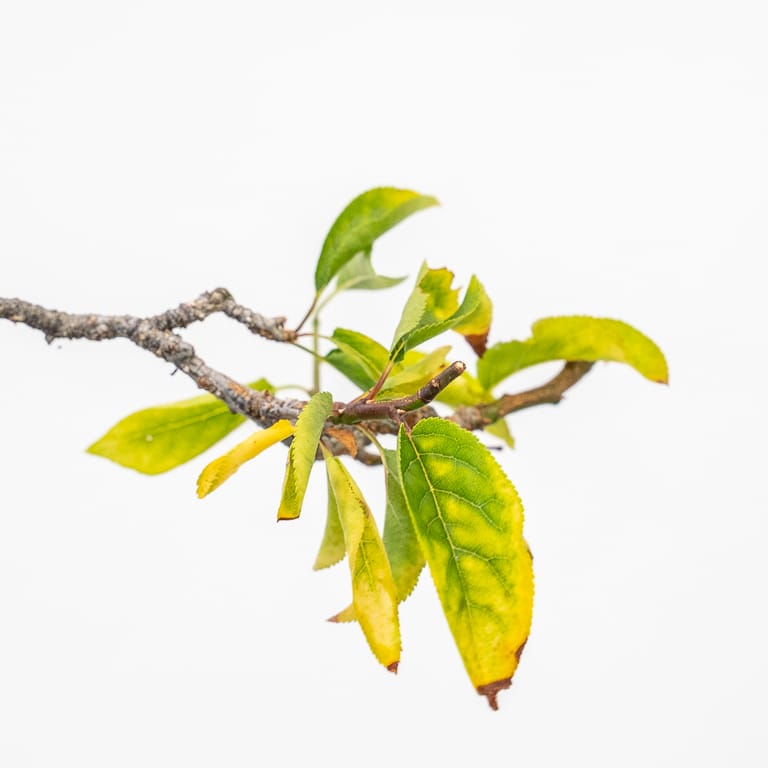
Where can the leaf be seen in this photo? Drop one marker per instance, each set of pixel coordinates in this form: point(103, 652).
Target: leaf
point(332, 548)
point(574, 338)
point(358, 357)
point(225, 466)
point(361, 360)
point(302, 454)
point(415, 370)
point(157, 439)
point(358, 274)
point(364, 220)
point(403, 551)
point(469, 523)
point(466, 390)
point(402, 547)
point(500, 429)
point(433, 308)
point(476, 326)
point(374, 595)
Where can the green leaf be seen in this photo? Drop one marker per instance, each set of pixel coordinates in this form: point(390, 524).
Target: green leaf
point(332, 548)
point(433, 308)
point(222, 468)
point(574, 338)
point(469, 522)
point(358, 357)
point(302, 454)
point(358, 274)
point(364, 220)
point(157, 439)
point(374, 595)
point(405, 556)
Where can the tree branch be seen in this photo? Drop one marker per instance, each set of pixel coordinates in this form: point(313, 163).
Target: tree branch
point(473, 417)
point(156, 335)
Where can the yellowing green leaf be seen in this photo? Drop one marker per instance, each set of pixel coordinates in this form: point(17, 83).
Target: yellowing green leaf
point(474, 328)
point(400, 543)
point(574, 338)
point(157, 439)
point(469, 523)
point(364, 220)
point(332, 548)
point(374, 595)
point(433, 308)
point(302, 453)
point(225, 466)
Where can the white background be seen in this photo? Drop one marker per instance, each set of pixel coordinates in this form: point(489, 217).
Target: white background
point(601, 158)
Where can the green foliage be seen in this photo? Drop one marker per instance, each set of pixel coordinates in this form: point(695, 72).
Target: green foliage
point(302, 453)
point(361, 223)
point(157, 439)
point(448, 504)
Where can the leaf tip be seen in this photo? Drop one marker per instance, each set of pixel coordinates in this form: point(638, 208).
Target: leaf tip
point(478, 342)
point(491, 691)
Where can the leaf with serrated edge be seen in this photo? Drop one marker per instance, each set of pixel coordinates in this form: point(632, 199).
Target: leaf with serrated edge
point(332, 548)
point(374, 595)
point(439, 312)
point(358, 274)
point(364, 220)
point(302, 453)
point(222, 468)
point(469, 523)
point(574, 338)
point(157, 439)
point(399, 537)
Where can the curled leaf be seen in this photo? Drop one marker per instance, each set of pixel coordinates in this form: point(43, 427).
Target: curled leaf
point(574, 338)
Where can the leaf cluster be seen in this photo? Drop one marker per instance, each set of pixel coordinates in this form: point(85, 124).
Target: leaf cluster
point(448, 503)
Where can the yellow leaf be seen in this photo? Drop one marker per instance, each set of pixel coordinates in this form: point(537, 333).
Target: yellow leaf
point(225, 466)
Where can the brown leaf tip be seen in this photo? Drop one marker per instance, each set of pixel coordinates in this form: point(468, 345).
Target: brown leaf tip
point(393, 667)
point(491, 691)
point(478, 342)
